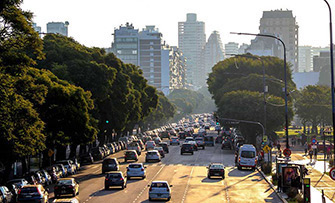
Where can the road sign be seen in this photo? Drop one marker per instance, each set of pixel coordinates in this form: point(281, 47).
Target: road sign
point(266, 149)
point(313, 140)
point(332, 173)
point(287, 152)
point(50, 152)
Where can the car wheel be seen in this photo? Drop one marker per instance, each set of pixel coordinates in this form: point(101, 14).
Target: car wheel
point(168, 199)
point(239, 167)
point(106, 187)
point(125, 186)
point(203, 147)
point(181, 153)
point(74, 194)
point(143, 177)
point(192, 153)
point(122, 187)
point(208, 176)
point(146, 160)
point(125, 160)
point(150, 199)
point(223, 177)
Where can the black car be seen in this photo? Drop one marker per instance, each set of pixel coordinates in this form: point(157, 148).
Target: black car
point(182, 135)
point(97, 153)
point(227, 143)
point(165, 146)
point(216, 169)
point(130, 155)
point(66, 186)
point(186, 148)
point(110, 164)
point(115, 179)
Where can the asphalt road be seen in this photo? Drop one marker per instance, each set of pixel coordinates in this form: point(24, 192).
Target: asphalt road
point(187, 174)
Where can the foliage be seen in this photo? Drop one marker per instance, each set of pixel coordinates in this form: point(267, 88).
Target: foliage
point(314, 106)
point(237, 88)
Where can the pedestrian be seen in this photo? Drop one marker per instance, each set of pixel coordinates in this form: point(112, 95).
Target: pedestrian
point(310, 153)
point(306, 148)
point(279, 188)
point(315, 154)
point(278, 146)
point(328, 151)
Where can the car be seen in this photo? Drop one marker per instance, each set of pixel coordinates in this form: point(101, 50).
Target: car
point(53, 173)
point(217, 128)
point(150, 145)
point(71, 169)
point(209, 140)
point(247, 157)
point(159, 190)
point(186, 148)
point(152, 155)
point(134, 146)
point(130, 155)
point(165, 146)
point(86, 158)
point(111, 148)
point(97, 153)
point(174, 140)
point(46, 176)
point(227, 143)
point(62, 169)
point(66, 186)
point(160, 150)
point(33, 193)
point(136, 170)
point(115, 178)
point(157, 140)
point(14, 189)
point(76, 163)
point(194, 145)
point(200, 142)
point(20, 182)
point(66, 200)
point(216, 169)
point(110, 164)
point(182, 134)
point(6, 194)
point(187, 139)
point(140, 142)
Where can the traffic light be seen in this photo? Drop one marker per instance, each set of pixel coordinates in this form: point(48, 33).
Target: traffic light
point(217, 120)
point(307, 190)
point(107, 121)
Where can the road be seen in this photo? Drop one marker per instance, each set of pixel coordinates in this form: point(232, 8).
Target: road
point(187, 174)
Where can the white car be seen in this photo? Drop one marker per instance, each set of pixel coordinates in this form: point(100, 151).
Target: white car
point(159, 190)
point(187, 139)
point(152, 155)
point(149, 145)
point(136, 170)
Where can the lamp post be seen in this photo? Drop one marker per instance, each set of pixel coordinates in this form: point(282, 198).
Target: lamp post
point(285, 76)
point(264, 87)
point(332, 70)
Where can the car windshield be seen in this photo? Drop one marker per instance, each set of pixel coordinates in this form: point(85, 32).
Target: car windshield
point(109, 161)
point(152, 153)
point(216, 166)
point(199, 138)
point(114, 175)
point(64, 182)
point(159, 185)
point(135, 166)
point(248, 154)
point(29, 190)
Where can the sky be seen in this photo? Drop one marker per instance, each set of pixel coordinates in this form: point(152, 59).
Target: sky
point(93, 22)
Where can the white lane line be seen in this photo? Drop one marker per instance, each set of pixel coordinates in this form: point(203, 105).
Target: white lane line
point(145, 187)
point(188, 183)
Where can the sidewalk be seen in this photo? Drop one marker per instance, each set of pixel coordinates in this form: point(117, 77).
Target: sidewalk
point(319, 181)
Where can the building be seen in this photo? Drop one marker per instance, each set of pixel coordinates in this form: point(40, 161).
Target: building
point(37, 28)
point(213, 53)
point(58, 28)
point(243, 48)
point(305, 59)
point(304, 79)
point(191, 40)
point(173, 69)
point(125, 45)
point(281, 23)
point(231, 49)
point(262, 46)
point(323, 60)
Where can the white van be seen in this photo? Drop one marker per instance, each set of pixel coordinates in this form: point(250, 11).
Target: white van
point(247, 157)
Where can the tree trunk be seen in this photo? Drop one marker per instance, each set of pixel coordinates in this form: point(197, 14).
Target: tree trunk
point(61, 153)
point(73, 151)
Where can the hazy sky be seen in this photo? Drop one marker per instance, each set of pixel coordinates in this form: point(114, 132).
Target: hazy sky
point(93, 22)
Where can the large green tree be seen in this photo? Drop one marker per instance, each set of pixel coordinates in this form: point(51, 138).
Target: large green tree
point(237, 88)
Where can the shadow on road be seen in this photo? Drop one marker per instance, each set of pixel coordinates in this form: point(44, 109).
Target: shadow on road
point(212, 180)
point(238, 173)
point(160, 200)
point(104, 192)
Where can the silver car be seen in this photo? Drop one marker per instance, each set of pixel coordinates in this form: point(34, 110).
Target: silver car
point(159, 190)
point(136, 170)
point(152, 155)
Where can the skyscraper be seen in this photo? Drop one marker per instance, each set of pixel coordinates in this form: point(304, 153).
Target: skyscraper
point(191, 40)
point(58, 28)
point(231, 49)
point(282, 23)
point(213, 53)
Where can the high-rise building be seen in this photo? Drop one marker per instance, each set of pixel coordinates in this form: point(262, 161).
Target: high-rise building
point(213, 53)
point(262, 46)
point(125, 45)
point(58, 28)
point(242, 49)
point(231, 49)
point(191, 40)
point(150, 42)
point(281, 23)
point(37, 28)
point(305, 59)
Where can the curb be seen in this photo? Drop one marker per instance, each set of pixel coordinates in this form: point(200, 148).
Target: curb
point(271, 185)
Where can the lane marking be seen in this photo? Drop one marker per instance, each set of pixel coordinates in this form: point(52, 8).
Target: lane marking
point(188, 183)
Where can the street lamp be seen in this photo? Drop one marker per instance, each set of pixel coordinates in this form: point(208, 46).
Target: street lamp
point(264, 87)
point(285, 75)
point(332, 69)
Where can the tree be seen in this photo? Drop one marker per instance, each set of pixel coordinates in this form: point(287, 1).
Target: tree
point(237, 88)
point(314, 105)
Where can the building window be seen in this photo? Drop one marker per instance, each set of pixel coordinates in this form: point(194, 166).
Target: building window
point(151, 60)
point(151, 48)
point(119, 51)
point(151, 70)
point(151, 54)
point(152, 76)
point(151, 64)
point(151, 43)
point(134, 52)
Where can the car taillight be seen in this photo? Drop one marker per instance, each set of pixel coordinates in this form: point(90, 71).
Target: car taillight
point(239, 159)
point(106, 179)
point(222, 170)
point(127, 169)
point(121, 179)
point(39, 192)
point(150, 189)
point(167, 189)
point(56, 187)
point(255, 161)
point(70, 186)
point(19, 192)
point(142, 169)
